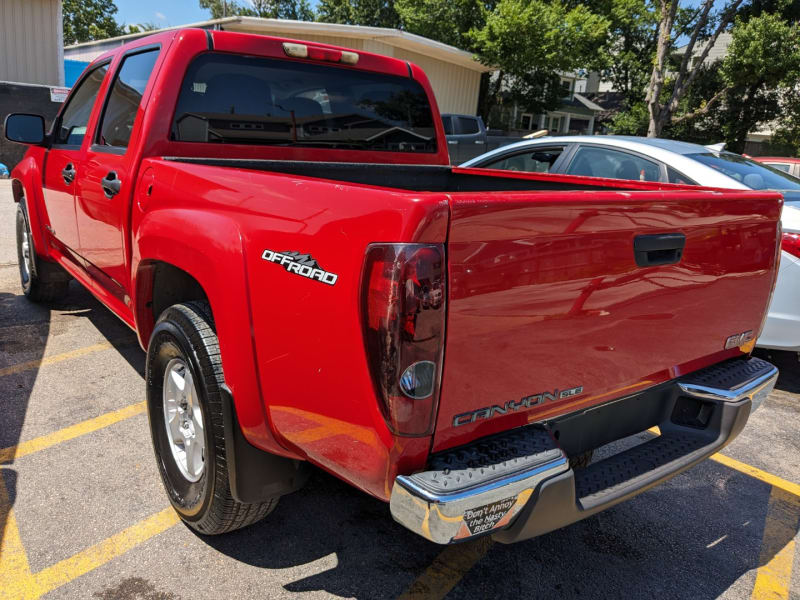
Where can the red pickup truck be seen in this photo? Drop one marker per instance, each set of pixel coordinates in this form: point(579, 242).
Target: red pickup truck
point(314, 284)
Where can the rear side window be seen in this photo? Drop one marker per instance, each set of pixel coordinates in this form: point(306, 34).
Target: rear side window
point(230, 99)
point(125, 97)
point(72, 124)
point(674, 177)
point(448, 125)
point(466, 126)
point(612, 164)
point(536, 161)
point(786, 168)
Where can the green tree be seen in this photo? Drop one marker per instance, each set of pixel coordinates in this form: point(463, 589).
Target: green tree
point(372, 13)
point(531, 42)
point(449, 22)
point(755, 84)
point(87, 20)
point(297, 10)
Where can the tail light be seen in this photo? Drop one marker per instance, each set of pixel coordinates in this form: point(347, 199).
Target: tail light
point(403, 311)
point(790, 242)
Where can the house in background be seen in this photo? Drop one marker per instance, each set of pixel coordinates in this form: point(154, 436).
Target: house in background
point(454, 74)
point(575, 116)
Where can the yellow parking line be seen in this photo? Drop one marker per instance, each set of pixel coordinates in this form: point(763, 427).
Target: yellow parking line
point(96, 556)
point(777, 548)
point(447, 570)
point(757, 473)
point(68, 433)
point(16, 580)
point(49, 360)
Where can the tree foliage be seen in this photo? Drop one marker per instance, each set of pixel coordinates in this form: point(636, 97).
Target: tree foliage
point(372, 13)
point(87, 20)
point(296, 10)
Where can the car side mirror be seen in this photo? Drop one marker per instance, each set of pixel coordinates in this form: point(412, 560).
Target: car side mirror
point(24, 128)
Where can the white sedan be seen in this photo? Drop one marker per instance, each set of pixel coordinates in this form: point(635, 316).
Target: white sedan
point(671, 161)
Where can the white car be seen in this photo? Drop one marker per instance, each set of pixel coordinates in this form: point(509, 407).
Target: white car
point(655, 159)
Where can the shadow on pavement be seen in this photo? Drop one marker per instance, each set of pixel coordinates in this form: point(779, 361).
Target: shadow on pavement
point(788, 365)
point(25, 328)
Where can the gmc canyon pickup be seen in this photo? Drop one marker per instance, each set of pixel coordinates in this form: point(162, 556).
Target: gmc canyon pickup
point(314, 284)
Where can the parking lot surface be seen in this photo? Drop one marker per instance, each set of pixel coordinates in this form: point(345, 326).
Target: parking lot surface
point(83, 513)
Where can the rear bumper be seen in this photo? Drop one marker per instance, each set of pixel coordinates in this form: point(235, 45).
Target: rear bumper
point(518, 485)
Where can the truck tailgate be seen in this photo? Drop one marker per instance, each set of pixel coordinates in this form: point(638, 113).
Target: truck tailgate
point(549, 311)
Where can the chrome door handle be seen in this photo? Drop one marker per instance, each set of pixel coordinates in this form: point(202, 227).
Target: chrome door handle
point(69, 173)
point(111, 184)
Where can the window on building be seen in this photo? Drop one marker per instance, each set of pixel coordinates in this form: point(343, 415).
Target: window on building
point(555, 124)
point(538, 161)
point(75, 117)
point(526, 122)
point(125, 97)
point(602, 162)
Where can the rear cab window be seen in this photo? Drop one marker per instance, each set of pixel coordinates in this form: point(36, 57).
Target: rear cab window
point(233, 99)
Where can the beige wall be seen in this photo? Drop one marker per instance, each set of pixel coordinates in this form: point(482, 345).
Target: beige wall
point(31, 41)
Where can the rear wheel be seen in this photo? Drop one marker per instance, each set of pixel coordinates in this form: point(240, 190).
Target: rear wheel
point(184, 375)
point(41, 281)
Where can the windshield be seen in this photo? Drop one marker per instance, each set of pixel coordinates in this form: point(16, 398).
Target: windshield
point(754, 175)
point(231, 99)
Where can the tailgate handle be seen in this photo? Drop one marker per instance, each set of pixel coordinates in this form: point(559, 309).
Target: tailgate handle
point(658, 249)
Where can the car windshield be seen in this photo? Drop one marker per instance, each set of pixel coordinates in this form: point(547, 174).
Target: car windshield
point(230, 99)
point(754, 175)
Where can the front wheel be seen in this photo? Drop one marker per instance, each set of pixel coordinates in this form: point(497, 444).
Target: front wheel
point(184, 375)
point(41, 281)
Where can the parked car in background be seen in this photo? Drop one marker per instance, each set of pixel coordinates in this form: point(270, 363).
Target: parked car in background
point(467, 137)
point(672, 161)
point(782, 163)
point(3, 171)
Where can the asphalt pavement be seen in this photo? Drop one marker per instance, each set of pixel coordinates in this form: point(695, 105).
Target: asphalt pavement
point(83, 513)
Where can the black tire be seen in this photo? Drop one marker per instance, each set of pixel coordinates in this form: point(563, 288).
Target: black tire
point(186, 332)
point(41, 280)
point(581, 461)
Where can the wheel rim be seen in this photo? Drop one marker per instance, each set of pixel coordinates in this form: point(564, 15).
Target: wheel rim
point(183, 419)
point(25, 252)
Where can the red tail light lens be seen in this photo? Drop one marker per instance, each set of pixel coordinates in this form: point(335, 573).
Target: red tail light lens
point(403, 299)
point(790, 242)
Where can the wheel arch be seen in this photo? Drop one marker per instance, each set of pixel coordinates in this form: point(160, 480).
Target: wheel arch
point(176, 261)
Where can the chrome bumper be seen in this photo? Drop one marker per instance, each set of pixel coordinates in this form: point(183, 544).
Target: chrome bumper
point(483, 487)
point(734, 381)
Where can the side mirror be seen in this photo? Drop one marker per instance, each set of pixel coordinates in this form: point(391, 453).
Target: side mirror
point(24, 128)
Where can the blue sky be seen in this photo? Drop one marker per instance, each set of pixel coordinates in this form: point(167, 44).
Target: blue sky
point(160, 12)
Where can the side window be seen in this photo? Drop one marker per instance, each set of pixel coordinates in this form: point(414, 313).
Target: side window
point(448, 125)
point(785, 167)
point(124, 99)
point(612, 164)
point(466, 125)
point(674, 177)
point(538, 161)
point(72, 124)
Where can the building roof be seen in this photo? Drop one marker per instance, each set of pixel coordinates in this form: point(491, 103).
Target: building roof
point(288, 28)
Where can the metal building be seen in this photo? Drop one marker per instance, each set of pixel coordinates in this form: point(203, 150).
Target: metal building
point(31, 42)
point(454, 74)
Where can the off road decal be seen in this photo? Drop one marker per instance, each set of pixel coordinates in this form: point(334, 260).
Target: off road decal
point(300, 264)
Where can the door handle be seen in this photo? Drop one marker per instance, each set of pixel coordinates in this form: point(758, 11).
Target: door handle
point(111, 184)
point(452, 141)
point(479, 142)
point(68, 173)
point(659, 249)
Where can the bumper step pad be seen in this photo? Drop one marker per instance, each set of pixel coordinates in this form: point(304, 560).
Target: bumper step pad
point(632, 468)
point(488, 460)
